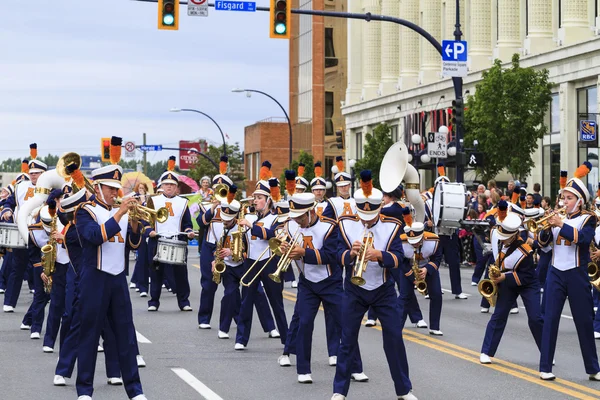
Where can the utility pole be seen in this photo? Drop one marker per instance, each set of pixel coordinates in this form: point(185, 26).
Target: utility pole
point(144, 157)
point(458, 89)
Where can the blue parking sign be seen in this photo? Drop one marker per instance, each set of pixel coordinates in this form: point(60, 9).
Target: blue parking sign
point(587, 130)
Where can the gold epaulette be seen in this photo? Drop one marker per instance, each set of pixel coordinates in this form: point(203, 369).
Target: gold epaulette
point(385, 218)
point(430, 236)
point(403, 237)
point(350, 217)
point(36, 227)
point(491, 212)
point(327, 219)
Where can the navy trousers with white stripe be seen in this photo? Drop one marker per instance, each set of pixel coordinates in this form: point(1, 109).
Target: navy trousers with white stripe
point(56, 309)
point(408, 297)
point(19, 261)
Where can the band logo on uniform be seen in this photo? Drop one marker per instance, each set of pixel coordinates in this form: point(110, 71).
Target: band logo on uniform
point(308, 242)
point(367, 207)
point(347, 209)
point(169, 206)
point(116, 175)
point(118, 235)
point(560, 240)
point(29, 194)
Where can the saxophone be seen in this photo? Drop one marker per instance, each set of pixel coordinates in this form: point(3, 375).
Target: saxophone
point(237, 242)
point(487, 287)
point(419, 283)
point(593, 268)
point(49, 255)
point(220, 265)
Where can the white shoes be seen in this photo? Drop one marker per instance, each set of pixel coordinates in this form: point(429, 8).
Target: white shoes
point(484, 310)
point(485, 359)
point(427, 296)
point(514, 310)
point(2, 291)
point(28, 327)
point(359, 377)
point(239, 346)
point(223, 335)
point(595, 377)
point(421, 324)
point(461, 296)
point(274, 334)
point(294, 284)
point(8, 309)
point(186, 308)
point(84, 398)
point(139, 397)
point(152, 308)
point(132, 285)
point(305, 378)
point(474, 283)
point(204, 326)
point(284, 361)
point(436, 332)
point(115, 381)
point(34, 335)
point(333, 361)
point(59, 380)
point(100, 349)
point(144, 294)
point(370, 322)
point(140, 361)
point(596, 335)
point(48, 349)
point(408, 396)
point(548, 376)
point(337, 396)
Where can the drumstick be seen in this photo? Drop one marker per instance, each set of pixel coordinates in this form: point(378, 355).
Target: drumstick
point(176, 234)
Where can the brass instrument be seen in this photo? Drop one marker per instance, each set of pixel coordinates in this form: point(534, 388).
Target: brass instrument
point(360, 266)
point(148, 214)
point(284, 262)
point(594, 269)
point(275, 247)
point(49, 256)
point(487, 287)
point(220, 265)
point(542, 224)
point(419, 283)
point(69, 162)
point(237, 242)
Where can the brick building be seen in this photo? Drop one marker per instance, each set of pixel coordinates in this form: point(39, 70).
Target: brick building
point(265, 140)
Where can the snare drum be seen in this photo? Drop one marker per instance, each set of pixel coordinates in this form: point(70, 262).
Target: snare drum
point(449, 204)
point(171, 251)
point(10, 236)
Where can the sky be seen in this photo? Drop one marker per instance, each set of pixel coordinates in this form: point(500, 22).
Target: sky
point(72, 72)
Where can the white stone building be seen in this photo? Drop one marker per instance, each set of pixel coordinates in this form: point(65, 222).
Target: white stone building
point(394, 75)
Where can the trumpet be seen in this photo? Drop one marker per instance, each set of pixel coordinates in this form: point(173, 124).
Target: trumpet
point(275, 247)
point(285, 260)
point(360, 266)
point(419, 283)
point(543, 224)
point(148, 214)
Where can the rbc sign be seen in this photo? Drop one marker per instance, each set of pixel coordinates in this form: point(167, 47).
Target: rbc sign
point(587, 131)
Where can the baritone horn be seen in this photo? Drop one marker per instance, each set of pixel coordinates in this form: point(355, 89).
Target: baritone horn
point(67, 165)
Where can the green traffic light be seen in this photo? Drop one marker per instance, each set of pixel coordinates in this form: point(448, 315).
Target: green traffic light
point(280, 28)
point(168, 19)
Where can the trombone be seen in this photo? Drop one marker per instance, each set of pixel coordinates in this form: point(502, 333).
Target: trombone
point(543, 224)
point(285, 260)
point(275, 247)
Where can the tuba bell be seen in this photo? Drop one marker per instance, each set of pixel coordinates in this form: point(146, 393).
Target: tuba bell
point(67, 165)
point(221, 190)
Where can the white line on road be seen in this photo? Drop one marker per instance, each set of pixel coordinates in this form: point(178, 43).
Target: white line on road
point(141, 338)
point(196, 384)
point(562, 315)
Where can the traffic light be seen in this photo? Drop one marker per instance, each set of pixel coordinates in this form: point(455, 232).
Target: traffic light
point(105, 149)
point(458, 112)
point(281, 18)
point(339, 138)
point(168, 14)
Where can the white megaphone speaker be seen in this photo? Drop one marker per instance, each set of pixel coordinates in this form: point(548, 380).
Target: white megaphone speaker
point(394, 169)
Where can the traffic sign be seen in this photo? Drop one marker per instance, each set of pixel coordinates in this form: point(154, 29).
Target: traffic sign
point(151, 147)
point(454, 58)
point(437, 146)
point(129, 149)
point(475, 160)
point(235, 6)
point(587, 130)
point(198, 8)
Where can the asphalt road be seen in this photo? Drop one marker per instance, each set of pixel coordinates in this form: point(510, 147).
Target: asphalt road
point(187, 363)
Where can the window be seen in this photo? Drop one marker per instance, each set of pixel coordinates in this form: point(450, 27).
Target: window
point(587, 109)
point(359, 145)
point(249, 166)
point(394, 133)
point(554, 118)
point(256, 166)
point(559, 14)
point(328, 113)
point(526, 18)
point(330, 59)
point(551, 170)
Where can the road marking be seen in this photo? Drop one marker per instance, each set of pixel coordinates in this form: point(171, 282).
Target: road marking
point(198, 386)
point(499, 365)
point(562, 315)
point(197, 266)
point(141, 338)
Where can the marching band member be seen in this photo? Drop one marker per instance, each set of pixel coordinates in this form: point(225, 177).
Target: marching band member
point(24, 190)
point(568, 277)
point(515, 259)
point(318, 186)
point(105, 233)
point(259, 231)
point(179, 220)
point(301, 182)
point(343, 204)
point(425, 248)
point(378, 291)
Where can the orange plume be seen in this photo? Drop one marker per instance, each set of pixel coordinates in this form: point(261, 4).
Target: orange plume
point(171, 164)
point(33, 151)
point(523, 203)
point(583, 170)
point(563, 179)
point(407, 216)
point(265, 173)
point(441, 169)
point(515, 197)
point(115, 149)
point(290, 186)
point(318, 170)
point(78, 178)
point(339, 162)
point(366, 183)
point(230, 197)
point(25, 167)
point(501, 214)
point(223, 165)
point(301, 170)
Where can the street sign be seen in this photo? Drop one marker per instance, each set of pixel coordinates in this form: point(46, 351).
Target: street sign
point(454, 58)
point(129, 149)
point(437, 146)
point(475, 160)
point(235, 6)
point(587, 131)
point(198, 8)
point(151, 147)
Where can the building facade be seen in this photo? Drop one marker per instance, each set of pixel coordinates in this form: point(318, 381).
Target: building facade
point(394, 75)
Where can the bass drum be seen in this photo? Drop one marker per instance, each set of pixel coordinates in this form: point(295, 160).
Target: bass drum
point(449, 204)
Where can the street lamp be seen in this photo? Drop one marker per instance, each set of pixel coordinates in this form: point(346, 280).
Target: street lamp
point(351, 164)
point(248, 91)
point(209, 117)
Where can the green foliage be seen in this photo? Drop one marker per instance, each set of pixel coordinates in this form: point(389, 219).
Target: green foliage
point(14, 164)
point(377, 145)
point(506, 117)
point(236, 161)
point(309, 170)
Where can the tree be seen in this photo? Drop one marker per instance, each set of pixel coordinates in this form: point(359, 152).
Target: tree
point(204, 167)
point(377, 145)
point(506, 117)
point(309, 170)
